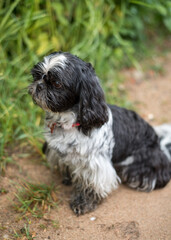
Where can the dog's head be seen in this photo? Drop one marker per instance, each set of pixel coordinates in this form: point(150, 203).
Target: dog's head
point(62, 81)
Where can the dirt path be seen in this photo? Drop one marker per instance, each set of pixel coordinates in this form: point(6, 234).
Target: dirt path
point(125, 214)
point(150, 90)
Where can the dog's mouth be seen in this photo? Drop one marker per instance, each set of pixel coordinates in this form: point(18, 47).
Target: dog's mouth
point(42, 104)
point(38, 96)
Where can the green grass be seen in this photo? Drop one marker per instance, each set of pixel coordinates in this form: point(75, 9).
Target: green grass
point(106, 33)
point(3, 191)
point(35, 199)
point(24, 233)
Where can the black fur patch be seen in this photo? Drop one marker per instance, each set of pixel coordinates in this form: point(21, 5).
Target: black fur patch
point(137, 139)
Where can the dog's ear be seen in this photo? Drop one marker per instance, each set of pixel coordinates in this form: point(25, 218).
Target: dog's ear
point(92, 107)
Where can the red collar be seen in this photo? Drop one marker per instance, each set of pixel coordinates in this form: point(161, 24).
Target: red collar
point(54, 125)
point(75, 124)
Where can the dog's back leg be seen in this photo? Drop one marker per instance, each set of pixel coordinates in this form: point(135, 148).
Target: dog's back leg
point(145, 170)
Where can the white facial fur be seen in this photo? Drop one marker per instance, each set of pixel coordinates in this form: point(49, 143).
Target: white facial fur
point(50, 61)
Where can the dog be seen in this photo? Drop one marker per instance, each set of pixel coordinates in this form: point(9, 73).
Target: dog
point(94, 145)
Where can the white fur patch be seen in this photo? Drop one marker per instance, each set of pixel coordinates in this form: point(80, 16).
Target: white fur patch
point(52, 60)
point(164, 132)
point(88, 158)
point(127, 161)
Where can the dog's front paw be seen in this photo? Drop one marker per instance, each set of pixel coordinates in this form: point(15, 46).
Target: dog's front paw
point(80, 208)
point(83, 203)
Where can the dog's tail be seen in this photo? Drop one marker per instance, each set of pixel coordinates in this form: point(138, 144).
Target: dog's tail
point(164, 134)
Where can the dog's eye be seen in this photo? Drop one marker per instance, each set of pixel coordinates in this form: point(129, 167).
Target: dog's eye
point(57, 84)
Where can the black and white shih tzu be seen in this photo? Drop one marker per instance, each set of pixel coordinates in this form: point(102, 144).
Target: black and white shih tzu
point(94, 145)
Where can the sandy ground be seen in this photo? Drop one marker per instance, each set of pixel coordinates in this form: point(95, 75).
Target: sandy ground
point(126, 214)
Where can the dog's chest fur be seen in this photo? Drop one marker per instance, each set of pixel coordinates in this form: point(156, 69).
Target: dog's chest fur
point(66, 139)
point(82, 154)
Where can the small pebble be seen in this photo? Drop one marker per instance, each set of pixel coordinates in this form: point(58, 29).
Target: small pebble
point(150, 116)
point(93, 218)
point(5, 236)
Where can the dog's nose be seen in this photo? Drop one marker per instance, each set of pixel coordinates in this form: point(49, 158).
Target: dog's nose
point(40, 87)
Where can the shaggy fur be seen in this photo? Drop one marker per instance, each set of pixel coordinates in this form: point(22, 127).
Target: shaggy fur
point(95, 145)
